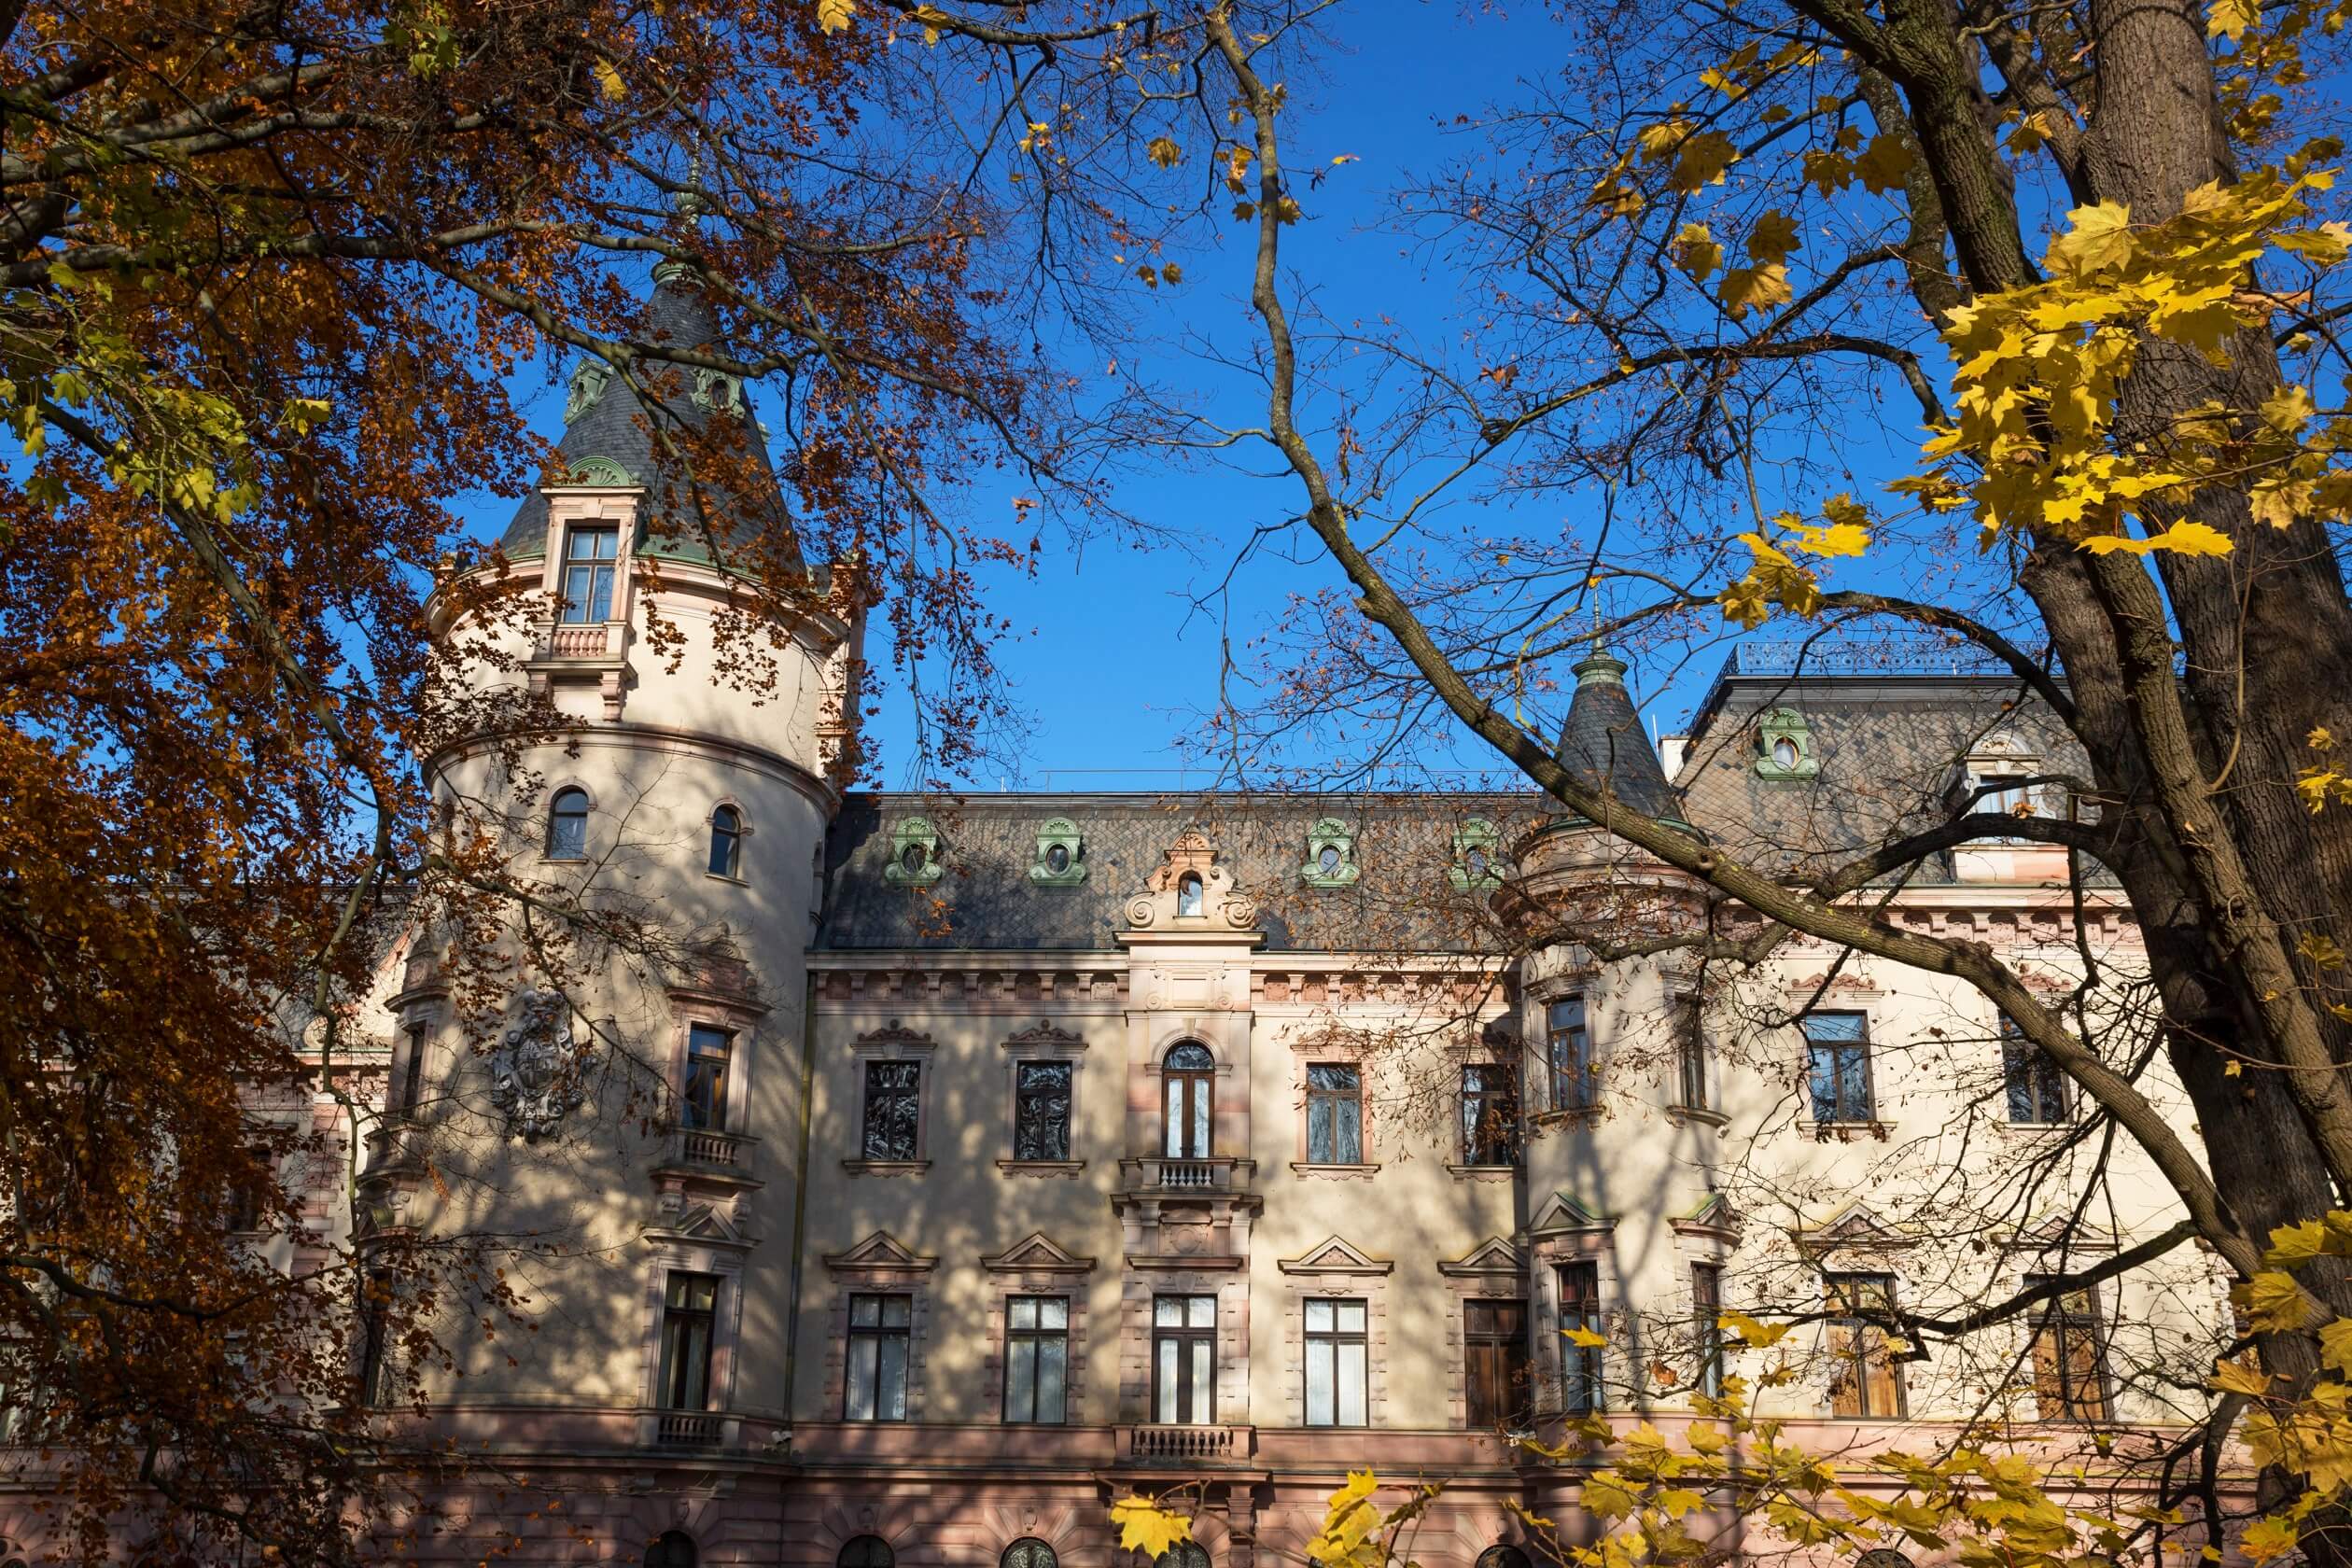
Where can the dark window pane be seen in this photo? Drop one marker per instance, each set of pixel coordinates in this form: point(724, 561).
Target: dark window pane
point(2035, 1084)
point(1040, 1112)
point(709, 1052)
point(893, 1110)
point(1838, 1066)
point(1580, 1308)
point(1335, 1115)
point(879, 1349)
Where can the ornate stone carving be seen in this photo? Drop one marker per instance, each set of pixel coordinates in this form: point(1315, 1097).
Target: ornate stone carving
point(537, 1070)
point(587, 386)
point(1190, 892)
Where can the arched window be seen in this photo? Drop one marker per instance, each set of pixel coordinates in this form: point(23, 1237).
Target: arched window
point(1188, 894)
point(567, 825)
point(866, 1551)
point(1882, 1557)
point(1188, 1071)
point(1183, 1554)
point(1501, 1557)
point(1028, 1552)
point(726, 842)
point(672, 1549)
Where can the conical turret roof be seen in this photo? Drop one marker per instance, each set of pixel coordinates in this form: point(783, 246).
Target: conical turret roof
point(1602, 744)
point(609, 437)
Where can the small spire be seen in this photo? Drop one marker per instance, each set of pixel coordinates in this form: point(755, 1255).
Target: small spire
point(688, 206)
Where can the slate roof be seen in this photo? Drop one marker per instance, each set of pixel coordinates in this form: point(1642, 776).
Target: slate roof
point(1602, 743)
point(984, 898)
point(616, 428)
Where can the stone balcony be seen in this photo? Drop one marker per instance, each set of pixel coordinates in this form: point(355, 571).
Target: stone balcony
point(1218, 1176)
point(704, 1152)
point(590, 641)
point(1187, 1445)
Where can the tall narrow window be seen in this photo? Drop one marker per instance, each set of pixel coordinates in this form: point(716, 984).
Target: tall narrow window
point(879, 1329)
point(1187, 1075)
point(413, 1072)
point(690, 1308)
point(1036, 1358)
point(1570, 1043)
point(2071, 1356)
point(379, 1374)
point(1580, 1309)
point(866, 1551)
point(588, 560)
point(1690, 1053)
point(1028, 1552)
point(1188, 900)
point(893, 1110)
point(249, 1196)
point(567, 825)
point(1184, 1359)
point(2036, 1087)
point(1336, 1372)
point(726, 842)
point(1706, 1325)
point(672, 1549)
point(1838, 1066)
point(1334, 1114)
point(708, 1053)
point(1494, 1347)
point(1489, 1116)
point(1868, 1382)
point(1041, 1111)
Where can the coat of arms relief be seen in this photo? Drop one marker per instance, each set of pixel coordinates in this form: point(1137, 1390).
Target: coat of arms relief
point(538, 1068)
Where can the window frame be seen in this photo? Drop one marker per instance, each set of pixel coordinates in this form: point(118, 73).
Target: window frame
point(1194, 1089)
point(1022, 1067)
point(1336, 1101)
point(2057, 1322)
point(1039, 1336)
point(1862, 1046)
point(1583, 1391)
point(603, 571)
point(1188, 1337)
point(707, 1113)
point(870, 1102)
point(679, 1320)
point(1335, 1342)
point(1855, 1354)
point(1706, 1324)
point(549, 847)
point(412, 1080)
point(1694, 1065)
point(2041, 1073)
point(1503, 1096)
point(1575, 1086)
point(880, 1333)
point(727, 824)
point(1512, 1364)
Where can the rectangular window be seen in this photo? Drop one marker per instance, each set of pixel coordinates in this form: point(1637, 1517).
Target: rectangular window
point(588, 561)
point(248, 1199)
point(690, 1308)
point(413, 1073)
point(1868, 1382)
point(2071, 1356)
point(1489, 1116)
point(379, 1374)
point(1706, 1325)
point(879, 1330)
point(1690, 1053)
point(708, 1053)
point(1041, 1111)
point(1334, 1114)
point(1570, 1044)
point(1184, 1359)
point(1580, 1364)
point(1838, 1066)
point(893, 1110)
point(2036, 1087)
point(1495, 1345)
point(1036, 1359)
point(1336, 1350)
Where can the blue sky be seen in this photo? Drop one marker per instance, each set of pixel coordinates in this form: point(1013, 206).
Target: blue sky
point(1112, 662)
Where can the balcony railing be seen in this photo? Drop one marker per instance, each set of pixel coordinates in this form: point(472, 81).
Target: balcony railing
point(688, 1429)
point(1218, 1174)
point(598, 639)
point(703, 1146)
point(1188, 1443)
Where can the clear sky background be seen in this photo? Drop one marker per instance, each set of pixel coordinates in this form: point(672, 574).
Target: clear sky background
point(1112, 661)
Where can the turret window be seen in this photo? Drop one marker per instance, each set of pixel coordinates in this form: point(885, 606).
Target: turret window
point(588, 562)
point(1188, 895)
point(726, 842)
point(709, 1053)
point(567, 825)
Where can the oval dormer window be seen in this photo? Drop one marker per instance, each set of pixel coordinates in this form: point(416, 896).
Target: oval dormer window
point(1188, 894)
point(1329, 860)
point(1476, 860)
point(1058, 858)
point(913, 857)
point(1785, 752)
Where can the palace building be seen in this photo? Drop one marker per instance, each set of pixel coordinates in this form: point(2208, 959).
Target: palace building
point(955, 1166)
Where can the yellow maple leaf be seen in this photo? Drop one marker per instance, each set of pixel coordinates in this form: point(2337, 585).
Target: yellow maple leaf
point(2098, 235)
point(1748, 289)
point(1165, 152)
point(1829, 171)
point(1146, 1527)
point(609, 78)
point(2321, 950)
point(2181, 538)
point(1695, 251)
point(2273, 1302)
point(834, 16)
point(1585, 1337)
point(2230, 18)
point(1883, 163)
point(1751, 1332)
point(1773, 238)
point(932, 19)
point(2336, 1344)
point(2233, 1376)
point(1703, 159)
point(1350, 1537)
point(2030, 133)
point(2287, 410)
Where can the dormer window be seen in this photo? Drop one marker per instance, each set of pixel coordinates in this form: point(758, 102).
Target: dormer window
point(588, 560)
point(1188, 895)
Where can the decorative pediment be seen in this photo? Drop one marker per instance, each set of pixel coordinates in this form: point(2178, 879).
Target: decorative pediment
point(1853, 1226)
point(893, 1039)
point(1044, 1036)
point(1564, 1213)
point(880, 1254)
point(2057, 1233)
point(1333, 1256)
point(1190, 892)
point(1713, 1217)
point(1491, 1257)
point(706, 1224)
point(1036, 1253)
